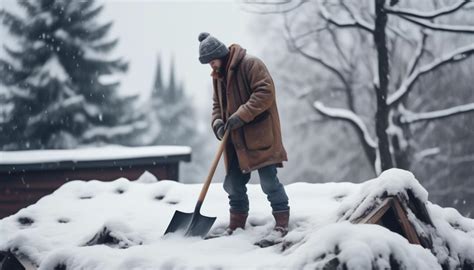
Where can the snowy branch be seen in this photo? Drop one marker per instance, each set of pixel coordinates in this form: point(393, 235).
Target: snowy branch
point(426, 153)
point(427, 15)
point(355, 22)
point(52, 110)
point(418, 53)
point(457, 55)
point(442, 27)
point(399, 33)
point(416, 117)
point(349, 116)
point(20, 92)
point(13, 23)
point(108, 132)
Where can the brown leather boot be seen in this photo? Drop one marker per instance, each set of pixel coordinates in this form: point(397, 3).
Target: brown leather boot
point(281, 221)
point(279, 231)
point(237, 220)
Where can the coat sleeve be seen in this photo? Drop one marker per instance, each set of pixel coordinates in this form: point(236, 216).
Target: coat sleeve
point(262, 90)
point(216, 107)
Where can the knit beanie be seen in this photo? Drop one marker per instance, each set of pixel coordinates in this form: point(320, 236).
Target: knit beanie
point(210, 48)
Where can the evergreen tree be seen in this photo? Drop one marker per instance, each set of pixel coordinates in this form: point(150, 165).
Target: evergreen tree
point(173, 110)
point(173, 121)
point(61, 84)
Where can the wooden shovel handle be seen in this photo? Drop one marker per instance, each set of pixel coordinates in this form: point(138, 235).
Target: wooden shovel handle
point(213, 168)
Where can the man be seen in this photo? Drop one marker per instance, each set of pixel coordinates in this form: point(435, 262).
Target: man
point(244, 103)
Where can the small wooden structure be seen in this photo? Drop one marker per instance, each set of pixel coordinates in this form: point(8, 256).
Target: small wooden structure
point(26, 176)
point(392, 213)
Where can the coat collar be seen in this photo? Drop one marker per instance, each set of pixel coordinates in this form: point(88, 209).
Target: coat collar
point(236, 55)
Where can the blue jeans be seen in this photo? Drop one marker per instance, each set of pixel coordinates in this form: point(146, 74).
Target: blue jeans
point(235, 185)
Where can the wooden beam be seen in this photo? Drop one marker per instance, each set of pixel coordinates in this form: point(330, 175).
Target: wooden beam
point(375, 215)
point(408, 229)
point(393, 203)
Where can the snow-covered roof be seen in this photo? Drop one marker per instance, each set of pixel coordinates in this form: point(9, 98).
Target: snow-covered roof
point(65, 228)
point(111, 153)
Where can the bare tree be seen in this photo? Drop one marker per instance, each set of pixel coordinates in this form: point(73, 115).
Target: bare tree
point(356, 43)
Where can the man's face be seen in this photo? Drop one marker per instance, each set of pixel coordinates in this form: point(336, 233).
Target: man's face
point(216, 64)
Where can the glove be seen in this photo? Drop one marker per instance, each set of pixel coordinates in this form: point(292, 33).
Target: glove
point(218, 128)
point(234, 122)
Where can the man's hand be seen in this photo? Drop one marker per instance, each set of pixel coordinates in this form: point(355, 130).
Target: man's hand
point(218, 128)
point(234, 122)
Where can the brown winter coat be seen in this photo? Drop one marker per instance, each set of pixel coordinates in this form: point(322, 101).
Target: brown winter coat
point(250, 93)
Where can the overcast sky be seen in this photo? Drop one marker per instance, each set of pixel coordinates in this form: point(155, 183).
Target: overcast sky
point(171, 29)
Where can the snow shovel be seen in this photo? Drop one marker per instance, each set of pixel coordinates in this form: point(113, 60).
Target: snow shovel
point(195, 224)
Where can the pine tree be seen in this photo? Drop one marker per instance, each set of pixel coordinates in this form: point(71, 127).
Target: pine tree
point(174, 122)
point(61, 85)
point(173, 110)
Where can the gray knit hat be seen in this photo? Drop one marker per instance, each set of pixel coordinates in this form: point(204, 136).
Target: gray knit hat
point(210, 48)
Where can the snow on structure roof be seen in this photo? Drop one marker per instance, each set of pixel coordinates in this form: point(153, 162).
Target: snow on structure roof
point(111, 152)
point(106, 156)
point(120, 225)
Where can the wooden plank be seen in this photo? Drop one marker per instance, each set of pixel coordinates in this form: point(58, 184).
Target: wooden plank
point(408, 229)
point(375, 215)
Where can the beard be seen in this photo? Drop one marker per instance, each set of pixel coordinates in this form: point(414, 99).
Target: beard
point(219, 70)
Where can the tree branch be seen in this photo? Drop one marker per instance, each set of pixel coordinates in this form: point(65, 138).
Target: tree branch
point(347, 68)
point(427, 15)
point(427, 116)
point(277, 4)
point(368, 144)
point(316, 30)
point(256, 2)
point(418, 53)
point(457, 55)
point(311, 57)
point(356, 17)
point(14, 24)
point(426, 153)
point(338, 46)
point(354, 23)
point(441, 27)
point(399, 33)
point(350, 117)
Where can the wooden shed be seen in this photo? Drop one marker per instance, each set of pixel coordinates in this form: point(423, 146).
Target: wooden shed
point(26, 176)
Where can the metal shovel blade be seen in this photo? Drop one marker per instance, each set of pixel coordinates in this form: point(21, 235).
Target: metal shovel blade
point(195, 224)
point(192, 224)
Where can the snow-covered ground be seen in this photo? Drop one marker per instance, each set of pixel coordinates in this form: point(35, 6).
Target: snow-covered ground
point(66, 228)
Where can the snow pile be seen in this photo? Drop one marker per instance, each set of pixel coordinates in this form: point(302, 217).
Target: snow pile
point(453, 238)
point(394, 182)
point(120, 225)
point(362, 246)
